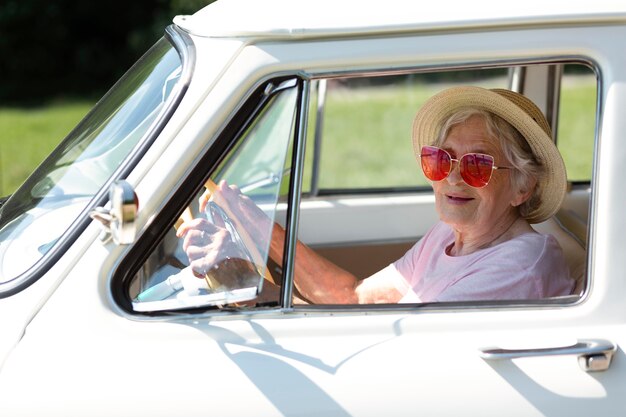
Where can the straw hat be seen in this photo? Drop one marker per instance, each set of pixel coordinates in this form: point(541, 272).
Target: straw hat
point(522, 114)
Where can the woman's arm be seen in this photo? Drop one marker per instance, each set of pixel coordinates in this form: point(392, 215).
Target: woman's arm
point(316, 278)
point(323, 282)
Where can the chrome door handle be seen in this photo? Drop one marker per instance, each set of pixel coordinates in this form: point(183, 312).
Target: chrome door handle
point(593, 354)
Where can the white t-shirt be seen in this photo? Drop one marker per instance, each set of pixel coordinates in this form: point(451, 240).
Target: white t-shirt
point(530, 266)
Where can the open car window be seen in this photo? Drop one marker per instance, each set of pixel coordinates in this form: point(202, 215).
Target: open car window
point(368, 202)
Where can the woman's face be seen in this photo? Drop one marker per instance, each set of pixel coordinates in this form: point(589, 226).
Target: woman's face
point(466, 208)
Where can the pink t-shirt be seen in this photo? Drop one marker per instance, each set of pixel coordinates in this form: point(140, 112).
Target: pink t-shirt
point(530, 266)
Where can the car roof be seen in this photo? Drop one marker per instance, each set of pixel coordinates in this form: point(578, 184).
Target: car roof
point(295, 19)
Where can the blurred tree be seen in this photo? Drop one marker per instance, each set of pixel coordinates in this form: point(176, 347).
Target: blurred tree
point(70, 48)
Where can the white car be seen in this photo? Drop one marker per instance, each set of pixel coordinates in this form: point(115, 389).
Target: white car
point(307, 107)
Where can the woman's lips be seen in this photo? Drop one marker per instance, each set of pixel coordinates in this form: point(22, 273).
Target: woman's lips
point(457, 199)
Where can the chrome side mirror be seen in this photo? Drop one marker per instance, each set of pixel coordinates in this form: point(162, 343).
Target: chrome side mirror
point(118, 222)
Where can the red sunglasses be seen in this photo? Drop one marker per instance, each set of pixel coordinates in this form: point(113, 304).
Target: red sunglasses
point(475, 168)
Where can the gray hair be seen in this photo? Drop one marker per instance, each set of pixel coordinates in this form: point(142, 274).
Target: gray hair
point(526, 168)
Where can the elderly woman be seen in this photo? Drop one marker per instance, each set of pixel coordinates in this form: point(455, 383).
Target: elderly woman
point(494, 170)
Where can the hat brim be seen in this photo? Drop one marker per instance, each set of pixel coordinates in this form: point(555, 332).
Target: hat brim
point(552, 183)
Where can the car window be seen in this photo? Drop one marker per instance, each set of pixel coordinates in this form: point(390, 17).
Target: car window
point(576, 128)
point(368, 202)
point(258, 165)
point(41, 217)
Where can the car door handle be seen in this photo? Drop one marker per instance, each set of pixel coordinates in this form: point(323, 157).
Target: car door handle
point(593, 354)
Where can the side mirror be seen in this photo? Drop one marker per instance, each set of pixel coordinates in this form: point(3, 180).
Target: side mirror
point(118, 222)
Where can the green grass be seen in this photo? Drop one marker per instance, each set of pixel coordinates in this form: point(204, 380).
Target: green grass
point(372, 128)
point(368, 128)
point(28, 135)
point(577, 127)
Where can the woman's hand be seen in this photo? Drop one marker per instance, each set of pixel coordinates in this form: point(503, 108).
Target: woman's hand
point(207, 245)
point(246, 215)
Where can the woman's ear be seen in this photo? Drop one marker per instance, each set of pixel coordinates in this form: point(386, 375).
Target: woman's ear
point(524, 194)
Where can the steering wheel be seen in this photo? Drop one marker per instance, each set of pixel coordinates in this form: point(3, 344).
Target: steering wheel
point(232, 273)
point(238, 233)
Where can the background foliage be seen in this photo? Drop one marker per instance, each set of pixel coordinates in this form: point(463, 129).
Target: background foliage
point(58, 58)
point(75, 48)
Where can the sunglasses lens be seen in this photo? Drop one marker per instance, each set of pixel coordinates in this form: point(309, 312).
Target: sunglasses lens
point(436, 163)
point(476, 169)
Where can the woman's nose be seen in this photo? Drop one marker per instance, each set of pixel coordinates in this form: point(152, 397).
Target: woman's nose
point(455, 175)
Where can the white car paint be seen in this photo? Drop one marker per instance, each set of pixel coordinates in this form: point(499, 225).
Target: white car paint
point(67, 348)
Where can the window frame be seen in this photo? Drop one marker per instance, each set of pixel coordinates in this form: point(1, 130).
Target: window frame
point(564, 301)
point(197, 177)
point(184, 196)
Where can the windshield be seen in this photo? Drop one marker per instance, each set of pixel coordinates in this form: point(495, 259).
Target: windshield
point(34, 218)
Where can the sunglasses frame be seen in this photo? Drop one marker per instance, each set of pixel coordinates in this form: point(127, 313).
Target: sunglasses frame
point(458, 162)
